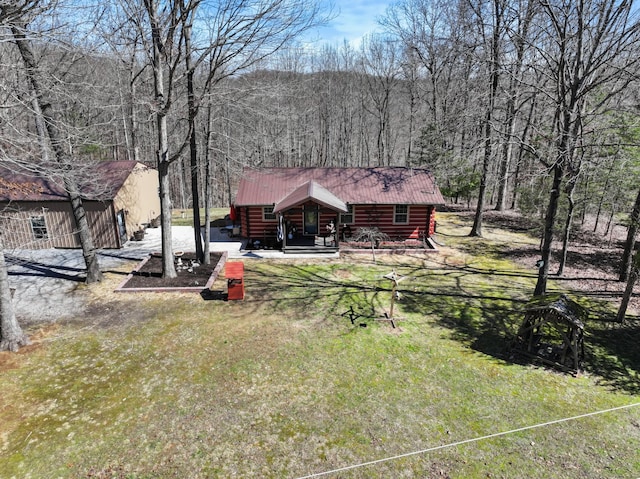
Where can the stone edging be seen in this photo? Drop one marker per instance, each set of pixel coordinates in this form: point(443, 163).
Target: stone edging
point(188, 289)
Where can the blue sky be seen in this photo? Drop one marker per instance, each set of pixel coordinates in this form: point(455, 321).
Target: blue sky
point(353, 19)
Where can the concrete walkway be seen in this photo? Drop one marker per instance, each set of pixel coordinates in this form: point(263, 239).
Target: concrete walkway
point(183, 239)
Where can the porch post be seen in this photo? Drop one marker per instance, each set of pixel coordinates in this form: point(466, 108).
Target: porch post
point(282, 231)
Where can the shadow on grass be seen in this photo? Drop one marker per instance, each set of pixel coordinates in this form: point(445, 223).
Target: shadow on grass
point(305, 288)
point(485, 317)
point(214, 295)
point(613, 354)
point(488, 322)
point(482, 308)
point(485, 323)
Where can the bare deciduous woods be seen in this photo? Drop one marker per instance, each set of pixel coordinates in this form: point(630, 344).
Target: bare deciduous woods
point(234, 35)
point(517, 104)
point(63, 160)
point(589, 54)
point(15, 18)
point(534, 87)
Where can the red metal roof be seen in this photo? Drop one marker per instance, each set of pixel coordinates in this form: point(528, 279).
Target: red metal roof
point(98, 182)
point(311, 191)
point(391, 185)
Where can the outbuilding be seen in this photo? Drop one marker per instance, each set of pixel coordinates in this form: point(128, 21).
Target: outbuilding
point(119, 197)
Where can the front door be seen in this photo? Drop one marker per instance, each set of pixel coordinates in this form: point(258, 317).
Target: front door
point(310, 220)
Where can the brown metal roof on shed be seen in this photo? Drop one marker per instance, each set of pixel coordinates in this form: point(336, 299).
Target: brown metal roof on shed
point(97, 182)
point(391, 185)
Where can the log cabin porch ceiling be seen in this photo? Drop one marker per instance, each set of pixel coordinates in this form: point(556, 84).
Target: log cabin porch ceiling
point(311, 191)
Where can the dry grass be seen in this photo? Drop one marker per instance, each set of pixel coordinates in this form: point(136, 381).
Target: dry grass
point(283, 385)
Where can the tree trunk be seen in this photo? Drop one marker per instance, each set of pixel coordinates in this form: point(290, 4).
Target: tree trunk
point(41, 129)
point(162, 103)
point(628, 292)
point(168, 265)
point(567, 227)
point(629, 245)
point(193, 147)
point(494, 78)
point(476, 229)
point(11, 335)
point(547, 240)
point(505, 163)
point(207, 190)
point(62, 158)
point(89, 252)
point(604, 194)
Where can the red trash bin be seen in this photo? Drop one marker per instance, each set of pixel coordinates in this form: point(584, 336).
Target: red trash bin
point(234, 272)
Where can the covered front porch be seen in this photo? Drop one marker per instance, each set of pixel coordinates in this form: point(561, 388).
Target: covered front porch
point(310, 244)
point(308, 219)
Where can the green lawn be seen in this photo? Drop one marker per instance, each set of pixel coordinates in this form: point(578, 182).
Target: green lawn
point(283, 385)
point(185, 217)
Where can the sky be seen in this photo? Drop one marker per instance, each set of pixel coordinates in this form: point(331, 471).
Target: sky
point(353, 19)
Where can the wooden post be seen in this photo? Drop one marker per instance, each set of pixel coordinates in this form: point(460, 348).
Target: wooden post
point(393, 297)
point(395, 278)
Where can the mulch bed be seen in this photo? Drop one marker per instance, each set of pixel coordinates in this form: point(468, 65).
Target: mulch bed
point(148, 275)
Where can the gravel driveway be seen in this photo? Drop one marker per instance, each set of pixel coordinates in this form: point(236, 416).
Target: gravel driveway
point(46, 282)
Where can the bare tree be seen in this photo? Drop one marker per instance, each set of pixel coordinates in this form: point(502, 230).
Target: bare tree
point(15, 16)
point(629, 244)
point(373, 236)
point(62, 156)
point(241, 33)
point(628, 292)
point(493, 43)
point(519, 18)
point(381, 69)
point(430, 32)
point(591, 47)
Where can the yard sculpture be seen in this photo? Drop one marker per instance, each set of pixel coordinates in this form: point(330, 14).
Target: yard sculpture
point(395, 278)
point(553, 332)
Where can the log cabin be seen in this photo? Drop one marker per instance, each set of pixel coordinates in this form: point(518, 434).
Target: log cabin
point(315, 209)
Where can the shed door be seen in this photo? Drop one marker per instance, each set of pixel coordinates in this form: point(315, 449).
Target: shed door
point(122, 227)
point(311, 220)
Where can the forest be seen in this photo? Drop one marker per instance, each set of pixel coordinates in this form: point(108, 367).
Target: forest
point(525, 105)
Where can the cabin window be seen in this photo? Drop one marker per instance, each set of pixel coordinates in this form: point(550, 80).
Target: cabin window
point(39, 227)
point(347, 218)
point(401, 214)
point(268, 214)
